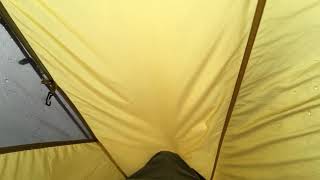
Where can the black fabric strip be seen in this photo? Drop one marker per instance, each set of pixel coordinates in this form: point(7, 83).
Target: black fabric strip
point(25, 147)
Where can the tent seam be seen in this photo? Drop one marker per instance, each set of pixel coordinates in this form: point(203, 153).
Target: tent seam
point(249, 46)
point(33, 146)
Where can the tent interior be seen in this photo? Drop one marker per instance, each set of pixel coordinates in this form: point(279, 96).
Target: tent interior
point(95, 89)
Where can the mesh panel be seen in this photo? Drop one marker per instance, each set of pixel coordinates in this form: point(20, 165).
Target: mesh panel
point(24, 117)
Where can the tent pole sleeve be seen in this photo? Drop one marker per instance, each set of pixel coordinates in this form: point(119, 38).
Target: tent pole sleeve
point(252, 35)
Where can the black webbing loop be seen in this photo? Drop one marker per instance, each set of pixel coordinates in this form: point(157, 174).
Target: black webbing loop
point(25, 61)
point(48, 99)
point(52, 88)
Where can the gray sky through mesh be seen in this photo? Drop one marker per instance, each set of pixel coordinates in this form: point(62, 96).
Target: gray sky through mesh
point(24, 117)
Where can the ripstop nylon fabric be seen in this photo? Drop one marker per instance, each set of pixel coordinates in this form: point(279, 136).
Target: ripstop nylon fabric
point(150, 76)
point(146, 75)
point(274, 132)
point(79, 161)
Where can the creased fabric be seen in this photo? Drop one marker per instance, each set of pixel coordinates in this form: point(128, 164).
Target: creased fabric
point(70, 162)
point(146, 75)
point(274, 133)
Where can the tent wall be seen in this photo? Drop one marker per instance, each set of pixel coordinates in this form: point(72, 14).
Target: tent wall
point(80, 161)
point(274, 132)
point(146, 75)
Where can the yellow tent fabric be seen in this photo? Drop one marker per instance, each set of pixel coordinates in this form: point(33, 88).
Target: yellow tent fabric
point(274, 130)
point(146, 75)
point(159, 75)
point(79, 161)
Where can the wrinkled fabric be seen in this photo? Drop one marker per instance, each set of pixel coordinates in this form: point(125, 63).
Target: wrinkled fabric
point(158, 75)
point(79, 161)
point(274, 132)
point(146, 75)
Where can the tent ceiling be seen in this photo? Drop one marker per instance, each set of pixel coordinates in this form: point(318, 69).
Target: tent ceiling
point(158, 75)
